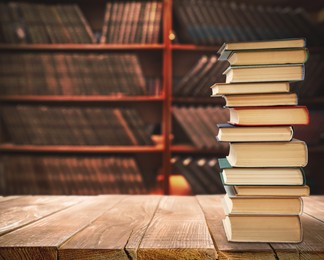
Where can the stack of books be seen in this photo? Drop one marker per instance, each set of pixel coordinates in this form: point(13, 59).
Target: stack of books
point(263, 175)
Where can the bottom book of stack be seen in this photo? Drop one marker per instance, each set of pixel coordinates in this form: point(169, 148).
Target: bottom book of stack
point(264, 213)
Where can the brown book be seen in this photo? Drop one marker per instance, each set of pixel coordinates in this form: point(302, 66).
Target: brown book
point(106, 23)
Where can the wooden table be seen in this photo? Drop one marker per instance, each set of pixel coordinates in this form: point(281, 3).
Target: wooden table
point(142, 227)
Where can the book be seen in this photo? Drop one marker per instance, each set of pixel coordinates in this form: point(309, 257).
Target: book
point(276, 229)
point(278, 191)
point(285, 99)
point(227, 48)
point(231, 133)
point(263, 176)
point(268, 154)
point(261, 206)
point(249, 88)
point(291, 56)
point(264, 73)
point(262, 116)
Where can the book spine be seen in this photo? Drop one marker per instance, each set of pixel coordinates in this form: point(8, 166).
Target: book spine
point(106, 23)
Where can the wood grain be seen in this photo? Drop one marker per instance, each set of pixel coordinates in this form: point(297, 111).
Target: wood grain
point(314, 206)
point(116, 234)
point(214, 213)
point(312, 246)
point(2, 199)
point(178, 231)
point(20, 211)
point(41, 239)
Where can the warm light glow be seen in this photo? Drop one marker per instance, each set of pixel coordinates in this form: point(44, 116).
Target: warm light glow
point(179, 185)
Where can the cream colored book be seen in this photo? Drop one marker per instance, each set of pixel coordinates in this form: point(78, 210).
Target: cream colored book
point(276, 229)
point(261, 73)
point(268, 154)
point(263, 176)
point(269, 116)
point(227, 48)
point(219, 89)
point(286, 99)
point(262, 206)
point(230, 133)
point(281, 191)
point(262, 57)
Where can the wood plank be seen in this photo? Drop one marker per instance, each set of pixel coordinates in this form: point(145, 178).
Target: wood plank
point(2, 199)
point(21, 211)
point(178, 231)
point(314, 206)
point(214, 214)
point(41, 239)
point(114, 235)
point(312, 246)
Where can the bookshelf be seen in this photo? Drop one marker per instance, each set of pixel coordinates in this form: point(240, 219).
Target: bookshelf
point(166, 58)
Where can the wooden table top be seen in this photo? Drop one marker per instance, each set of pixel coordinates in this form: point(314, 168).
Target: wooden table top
point(138, 227)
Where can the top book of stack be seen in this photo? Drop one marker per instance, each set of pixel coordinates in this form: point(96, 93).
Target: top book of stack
point(267, 61)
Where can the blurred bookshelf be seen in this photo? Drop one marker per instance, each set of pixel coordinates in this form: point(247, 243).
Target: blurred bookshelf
point(149, 50)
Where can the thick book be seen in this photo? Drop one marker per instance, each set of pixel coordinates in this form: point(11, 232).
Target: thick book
point(265, 57)
point(233, 205)
point(219, 89)
point(262, 116)
point(264, 73)
point(285, 99)
point(281, 176)
point(275, 229)
point(265, 191)
point(227, 48)
point(268, 154)
point(231, 133)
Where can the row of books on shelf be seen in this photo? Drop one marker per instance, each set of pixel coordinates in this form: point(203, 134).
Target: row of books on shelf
point(198, 125)
point(56, 175)
point(262, 174)
point(124, 22)
point(132, 22)
point(48, 125)
point(208, 70)
point(66, 125)
point(215, 22)
point(23, 22)
point(122, 74)
point(74, 74)
point(200, 22)
point(203, 73)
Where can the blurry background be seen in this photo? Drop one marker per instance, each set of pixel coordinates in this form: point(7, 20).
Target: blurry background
point(113, 96)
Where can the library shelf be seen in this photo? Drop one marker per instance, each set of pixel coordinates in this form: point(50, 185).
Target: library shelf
point(80, 149)
point(80, 47)
point(189, 149)
point(93, 98)
point(199, 100)
point(191, 47)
